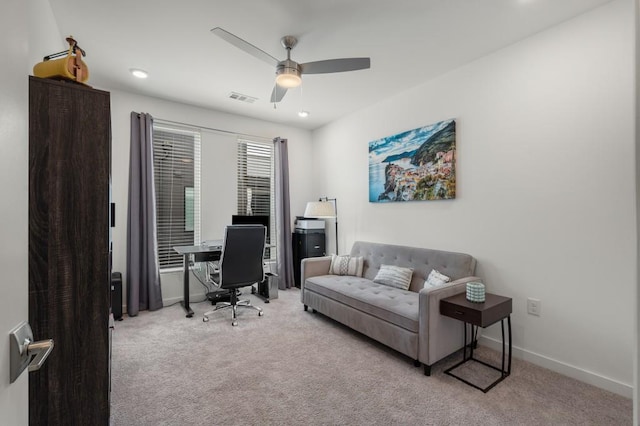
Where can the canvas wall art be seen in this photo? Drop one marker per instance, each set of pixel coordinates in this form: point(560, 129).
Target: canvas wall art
point(415, 165)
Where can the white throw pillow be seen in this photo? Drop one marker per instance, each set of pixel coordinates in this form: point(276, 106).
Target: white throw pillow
point(346, 265)
point(436, 279)
point(394, 276)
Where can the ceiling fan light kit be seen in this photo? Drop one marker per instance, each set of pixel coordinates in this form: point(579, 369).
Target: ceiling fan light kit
point(288, 74)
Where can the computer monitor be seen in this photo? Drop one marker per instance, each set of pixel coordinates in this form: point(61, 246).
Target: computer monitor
point(257, 219)
point(251, 220)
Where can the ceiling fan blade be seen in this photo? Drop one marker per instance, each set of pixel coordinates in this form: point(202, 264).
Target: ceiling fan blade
point(245, 46)
point(335, 65)
point(278, 93)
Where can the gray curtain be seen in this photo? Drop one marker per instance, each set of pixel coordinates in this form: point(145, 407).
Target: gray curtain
point(283, 215)
point(143, 271)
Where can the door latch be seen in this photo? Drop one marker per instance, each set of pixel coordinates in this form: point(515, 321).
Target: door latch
point(23, 348)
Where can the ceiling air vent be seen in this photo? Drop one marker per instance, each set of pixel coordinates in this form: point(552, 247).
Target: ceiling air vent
point(243, 98)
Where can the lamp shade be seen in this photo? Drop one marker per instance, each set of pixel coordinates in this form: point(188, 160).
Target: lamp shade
point(320, 209)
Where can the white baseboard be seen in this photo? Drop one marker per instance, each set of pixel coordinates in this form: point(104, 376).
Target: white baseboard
point(193, 298)
point(574, 372)
point(173, 300)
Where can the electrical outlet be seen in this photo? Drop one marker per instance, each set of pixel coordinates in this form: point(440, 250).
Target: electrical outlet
point(534, 306)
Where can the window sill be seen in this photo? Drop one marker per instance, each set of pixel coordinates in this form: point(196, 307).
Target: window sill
point(171, 270)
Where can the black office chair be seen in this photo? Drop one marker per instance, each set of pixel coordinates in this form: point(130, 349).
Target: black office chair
point(241, 265)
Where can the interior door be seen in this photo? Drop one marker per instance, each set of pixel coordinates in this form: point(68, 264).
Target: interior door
point(14, 144)
point(69, 146)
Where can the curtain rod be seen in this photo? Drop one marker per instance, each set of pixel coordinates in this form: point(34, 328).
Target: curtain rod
point(228, 132)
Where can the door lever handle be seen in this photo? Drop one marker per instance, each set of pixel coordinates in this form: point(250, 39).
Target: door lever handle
point(23, 348)
point(41, 350)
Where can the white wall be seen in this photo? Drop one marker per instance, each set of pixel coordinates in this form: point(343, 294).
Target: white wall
point(25, 28)
point(636, 364)
point(545, 197)
point(219, 183)
point(44, 35)
point(218, 174)
point(14, 140)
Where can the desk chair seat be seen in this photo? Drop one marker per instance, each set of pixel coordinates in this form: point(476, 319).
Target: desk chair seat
point(241, 265)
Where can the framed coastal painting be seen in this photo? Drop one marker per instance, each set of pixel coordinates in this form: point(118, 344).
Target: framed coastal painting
point(416, 165)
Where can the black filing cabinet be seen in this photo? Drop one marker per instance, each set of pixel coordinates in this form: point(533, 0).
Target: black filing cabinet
point(306, 243)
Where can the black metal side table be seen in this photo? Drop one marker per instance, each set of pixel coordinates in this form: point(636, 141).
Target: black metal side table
point(495, 308)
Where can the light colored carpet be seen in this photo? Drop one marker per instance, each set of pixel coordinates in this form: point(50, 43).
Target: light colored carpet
point(292, 367)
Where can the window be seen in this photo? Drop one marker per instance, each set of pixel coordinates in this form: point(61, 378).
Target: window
point(176, 167)
point(256, 183)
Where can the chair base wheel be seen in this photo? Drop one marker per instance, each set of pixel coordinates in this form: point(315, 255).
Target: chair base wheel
point(205, 319)
point(260, 313)
point(234, 323)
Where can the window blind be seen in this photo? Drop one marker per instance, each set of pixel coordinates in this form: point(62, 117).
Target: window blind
point(176, 166)
point(256, 183)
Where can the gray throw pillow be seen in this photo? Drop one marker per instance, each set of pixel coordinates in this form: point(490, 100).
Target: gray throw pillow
point(394, 276)
point(346, 265)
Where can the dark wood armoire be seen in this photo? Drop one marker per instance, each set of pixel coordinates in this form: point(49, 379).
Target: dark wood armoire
point(69, 251)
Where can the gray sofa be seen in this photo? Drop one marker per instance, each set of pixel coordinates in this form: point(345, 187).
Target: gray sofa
point(407, 321)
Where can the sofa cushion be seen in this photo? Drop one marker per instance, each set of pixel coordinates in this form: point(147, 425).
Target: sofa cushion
point(394, 276)
point(396, 306)
point(346, 265)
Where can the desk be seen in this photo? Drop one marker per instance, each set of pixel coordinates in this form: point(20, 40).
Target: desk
point(495, 308)
point(186, 251)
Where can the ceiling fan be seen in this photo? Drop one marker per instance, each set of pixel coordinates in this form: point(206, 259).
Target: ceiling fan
point(288, 72)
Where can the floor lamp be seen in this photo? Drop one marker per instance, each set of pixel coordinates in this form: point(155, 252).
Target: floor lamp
point(324, 208)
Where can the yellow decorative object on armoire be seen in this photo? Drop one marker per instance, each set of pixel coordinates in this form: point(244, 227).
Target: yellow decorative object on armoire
point(69, 67)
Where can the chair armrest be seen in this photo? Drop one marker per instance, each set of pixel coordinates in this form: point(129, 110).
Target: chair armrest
point(439, 335)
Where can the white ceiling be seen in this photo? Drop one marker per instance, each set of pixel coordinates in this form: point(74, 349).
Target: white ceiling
point(409, 42)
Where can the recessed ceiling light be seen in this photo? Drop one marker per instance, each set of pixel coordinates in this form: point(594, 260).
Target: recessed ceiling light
point(139, 73)
point(303, 114)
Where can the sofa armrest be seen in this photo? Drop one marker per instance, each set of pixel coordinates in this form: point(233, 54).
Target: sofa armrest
point(439, 335)
point(313, 267)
